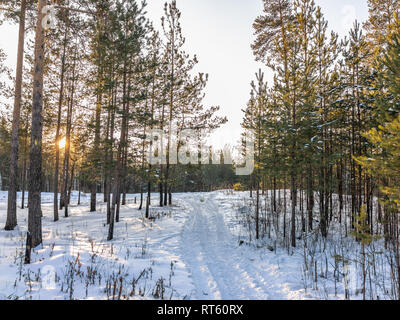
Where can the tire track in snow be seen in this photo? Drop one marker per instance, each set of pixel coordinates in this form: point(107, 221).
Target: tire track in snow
point(216, 267)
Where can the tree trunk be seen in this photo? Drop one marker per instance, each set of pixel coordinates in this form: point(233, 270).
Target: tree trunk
point(160, 187)
point(109, 161)
point(116, 197)
point(310, 198)
point(93, 192)
point(24, 170)
point(293, 219)
point(166, 190)
point(79, 193)
point(68, 140)
point(11, 222)
point(148, 199)
point(257, 209)
point(35, 161)
point(23, 185)
point(60, 103)
point(141, 198)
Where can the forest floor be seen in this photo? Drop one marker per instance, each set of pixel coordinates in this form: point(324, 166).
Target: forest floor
point(191, 250)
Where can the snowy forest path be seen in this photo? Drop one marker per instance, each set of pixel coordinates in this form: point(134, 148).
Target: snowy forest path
point(218, 269)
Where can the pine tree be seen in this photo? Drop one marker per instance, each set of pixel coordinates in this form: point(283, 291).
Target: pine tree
point(326, 54)
point(379, 25)
point(271, 30)
point(35, 161)
point(175, 61)
point(100, 50)
point(383, 164)
point(355, 74)
point(131, 32)
point(254, 122)
point(12, 191)
point(183, 93)
point(63, 66)
point(383, 21)
point(391, 75)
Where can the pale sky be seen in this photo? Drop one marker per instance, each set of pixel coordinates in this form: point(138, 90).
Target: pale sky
point(220, 33)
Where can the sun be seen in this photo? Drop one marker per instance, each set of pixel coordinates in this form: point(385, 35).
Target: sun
point(62, 143)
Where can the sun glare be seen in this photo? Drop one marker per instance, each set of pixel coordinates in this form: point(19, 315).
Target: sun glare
point(62, 143)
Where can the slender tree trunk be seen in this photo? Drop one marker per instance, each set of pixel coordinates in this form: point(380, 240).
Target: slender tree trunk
point(251, 185)
point(11, 221)
point(310, 198)
point(340, 189)
point(93, 189)
point(79, 193)
point(148, 200)
point(126, 141)
point(294, 173)
point(257, 209)
point(161, 184)
point(166, 189)
point(293, 218)
point(116, 197)
point(142, 179)
point(303, 219)
point(28, 248)
point(274, 195)
point(72, 178)
point(125, 170)
point(35, 162)
point(284, 207)
point(24, 167)
point(60, 103)
point(110, 160)
point(66, 180)
point(23, 185)
point(171, 109)
point(68, 141)
point(107, 174)
point(141, 197)
point(116, 184)
point(160, 187)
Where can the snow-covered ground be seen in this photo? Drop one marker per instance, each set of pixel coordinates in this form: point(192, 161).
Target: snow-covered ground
point(221, 268)
point(192, 250)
